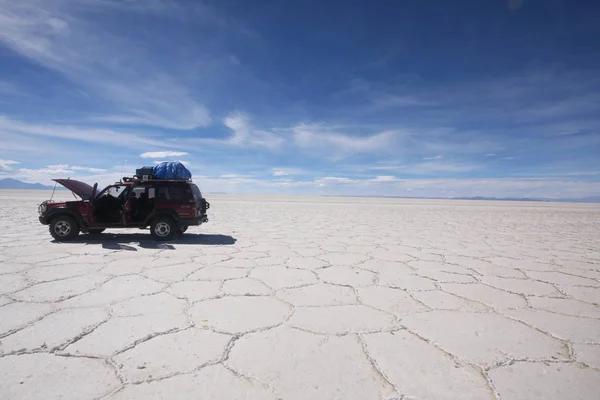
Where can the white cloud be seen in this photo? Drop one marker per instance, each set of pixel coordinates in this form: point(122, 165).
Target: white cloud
point(428, 167)
point(245, 135)
point(395, 101)
point(84, 134)
point(233, 176)
point(279, 172)
point(322, 137)
point(432, 158)
point(185, 163)
point(86, 174)
point(466, 187)
point(6, 164)
point(163, 154)
point(387, 185)
point(490, 154)
point(60, 35)
point(287, 171)
point(333, 181)
point(87, 169)
point(384, 178)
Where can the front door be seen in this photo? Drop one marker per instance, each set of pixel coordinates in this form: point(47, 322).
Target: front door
point(109, 206)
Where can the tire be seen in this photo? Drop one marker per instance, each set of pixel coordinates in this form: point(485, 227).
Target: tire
point(163, 228)
point(64, 228)
point(182, 230)
point(96, 231)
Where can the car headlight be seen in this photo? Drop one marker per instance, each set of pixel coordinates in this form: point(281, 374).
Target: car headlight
point(42, 208)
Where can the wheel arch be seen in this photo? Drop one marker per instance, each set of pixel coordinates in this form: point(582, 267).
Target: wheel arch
point(57, 212)
point(164, 213)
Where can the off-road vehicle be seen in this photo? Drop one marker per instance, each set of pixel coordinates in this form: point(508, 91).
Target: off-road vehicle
point(167, 206)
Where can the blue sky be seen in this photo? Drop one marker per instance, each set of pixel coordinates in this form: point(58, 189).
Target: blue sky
point(406, 98)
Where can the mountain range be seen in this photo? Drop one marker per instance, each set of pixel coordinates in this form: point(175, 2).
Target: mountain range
point(9, 183)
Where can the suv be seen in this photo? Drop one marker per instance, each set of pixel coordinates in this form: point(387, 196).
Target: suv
point(168, 207)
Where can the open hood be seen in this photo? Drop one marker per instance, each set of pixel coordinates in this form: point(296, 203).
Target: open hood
point(81, 189)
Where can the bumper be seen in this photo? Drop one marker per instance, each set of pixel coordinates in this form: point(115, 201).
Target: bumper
point(43, 219)
point(193, 221)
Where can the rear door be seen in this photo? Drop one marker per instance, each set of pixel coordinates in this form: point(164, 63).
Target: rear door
point(183, 199)
point(198, 199)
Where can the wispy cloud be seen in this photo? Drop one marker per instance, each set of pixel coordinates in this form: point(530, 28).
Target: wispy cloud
point(429, 168)
point(384, 179)
point(88, 169)
point(244, 134)
point(388, 185)
point(36, 175)
point(6, 164)
point(333, 181)
point(57, 35)
point(396, 101)
point(322, 137)
point(287, 171)
point(163, 154)
point(83, 134)
point(234, 176)
point(432, 158)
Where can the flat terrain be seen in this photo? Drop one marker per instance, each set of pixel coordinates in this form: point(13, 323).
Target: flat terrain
point(307, 298)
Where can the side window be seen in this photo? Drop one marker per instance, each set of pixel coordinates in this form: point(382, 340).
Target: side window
point(137, 192)
point(115, 191)
point(179, 193)
point(151, 193)
point(163, 193)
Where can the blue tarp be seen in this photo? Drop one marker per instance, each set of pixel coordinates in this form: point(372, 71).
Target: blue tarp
point(171, 170)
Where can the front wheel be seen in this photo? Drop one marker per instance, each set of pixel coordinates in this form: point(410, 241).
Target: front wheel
point(64, 228)
point(182, 230)
point(163, 228)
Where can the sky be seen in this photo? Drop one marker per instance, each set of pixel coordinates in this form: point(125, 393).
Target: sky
point(415, 98)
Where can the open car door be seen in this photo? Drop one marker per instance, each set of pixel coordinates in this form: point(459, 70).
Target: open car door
point(90, 205)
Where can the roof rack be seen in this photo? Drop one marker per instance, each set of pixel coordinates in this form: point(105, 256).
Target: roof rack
point(160, 180)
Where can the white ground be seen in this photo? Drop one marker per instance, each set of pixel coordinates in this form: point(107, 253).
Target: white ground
point(307, 298)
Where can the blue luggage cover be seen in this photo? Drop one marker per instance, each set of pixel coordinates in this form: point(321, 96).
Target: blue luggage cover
point(171, 170)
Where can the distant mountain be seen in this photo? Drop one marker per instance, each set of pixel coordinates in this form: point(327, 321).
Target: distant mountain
point(499, 198)
point(9, 183)
point(589, 199)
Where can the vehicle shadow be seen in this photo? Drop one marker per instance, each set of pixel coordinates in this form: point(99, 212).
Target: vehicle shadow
point(124, 241)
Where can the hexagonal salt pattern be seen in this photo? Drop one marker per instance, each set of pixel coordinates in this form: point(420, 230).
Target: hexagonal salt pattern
point(280, 298)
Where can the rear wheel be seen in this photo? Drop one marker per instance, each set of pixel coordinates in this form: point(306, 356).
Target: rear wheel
point(64, 228)
point(95, 231)
point(163, 228)
point(183, 229)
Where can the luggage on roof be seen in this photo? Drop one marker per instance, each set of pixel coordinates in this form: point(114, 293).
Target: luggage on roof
point(147, 171)
point(171, 170)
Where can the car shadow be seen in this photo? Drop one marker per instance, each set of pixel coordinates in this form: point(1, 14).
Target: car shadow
point(117, 241)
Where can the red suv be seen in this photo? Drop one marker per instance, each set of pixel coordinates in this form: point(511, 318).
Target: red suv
point(168, 207)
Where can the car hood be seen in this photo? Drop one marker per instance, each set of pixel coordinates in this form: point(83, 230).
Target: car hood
point(81, 189)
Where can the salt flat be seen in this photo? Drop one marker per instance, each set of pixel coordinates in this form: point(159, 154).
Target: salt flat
point(307, 298)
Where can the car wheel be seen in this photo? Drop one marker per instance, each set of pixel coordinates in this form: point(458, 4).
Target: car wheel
point(183, 229)
point(64, 228)
point(163, 228)
point(95, 231)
